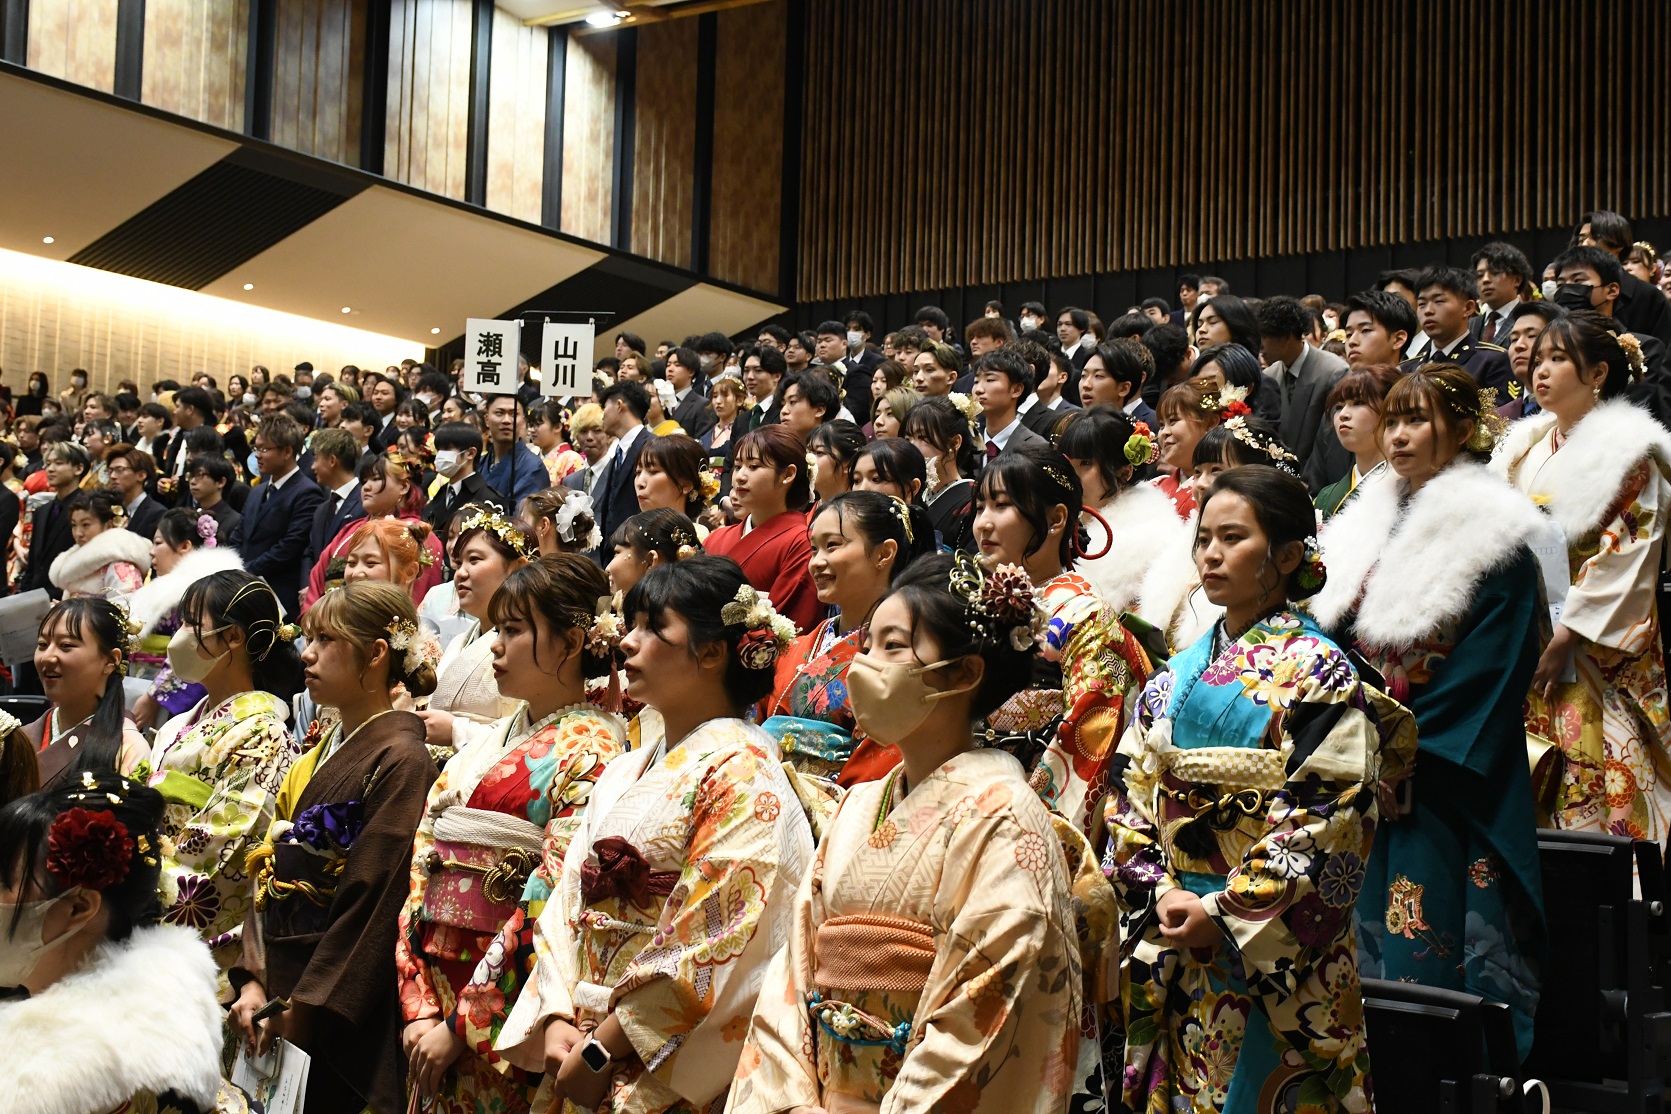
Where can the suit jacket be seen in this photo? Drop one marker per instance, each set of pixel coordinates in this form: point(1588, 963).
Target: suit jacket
point(143, 520)
point(326, 523)
point(1145, 413)
point(473, 489)
point(226, 518)
point(695, 414)
point(272, 535)
point(1019, 436)
point(1304, 396)
point(1642, 308)
point(856, 376)
point(1043, 421)
point(1499, 334)
point(1487, 363)
point(49, 536)
point(615, 499)
point(384, 437)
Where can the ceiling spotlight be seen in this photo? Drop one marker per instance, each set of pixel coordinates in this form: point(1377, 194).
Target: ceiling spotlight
point(348, 309)
point(249, 286)
point(434, 332)
point(607, 19)
point(46, 239)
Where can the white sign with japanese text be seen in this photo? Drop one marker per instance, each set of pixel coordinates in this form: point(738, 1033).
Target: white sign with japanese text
point(490, 356)
point(566, 360)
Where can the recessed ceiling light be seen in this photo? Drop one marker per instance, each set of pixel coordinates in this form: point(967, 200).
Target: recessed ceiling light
point(46, 239)
point(434, 332)
point(348, 309)
point(606, 19)
point(249, 286)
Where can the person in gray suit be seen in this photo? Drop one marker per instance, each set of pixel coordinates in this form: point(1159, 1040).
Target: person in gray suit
point(1002, 380)
point(1300, 375)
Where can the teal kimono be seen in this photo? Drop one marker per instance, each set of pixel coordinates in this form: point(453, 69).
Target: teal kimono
point(1247, 778)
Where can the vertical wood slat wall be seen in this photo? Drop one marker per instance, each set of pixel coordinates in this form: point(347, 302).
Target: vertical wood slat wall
point(589, 136)
point(746, 199)
point(75, 40)
point(664, 142)
point(429, 95)
point(1010, 140)
point(196, 52)
point(317, 58)
point(516, 118)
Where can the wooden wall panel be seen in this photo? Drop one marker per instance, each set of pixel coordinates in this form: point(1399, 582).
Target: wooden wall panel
point(1077, 137)
point(318, 54)
point(429, 95)
point(588, 136)
point(746, 201)
point(74, 40)
point(196, 52)
point(664, 144)
point(516, 118)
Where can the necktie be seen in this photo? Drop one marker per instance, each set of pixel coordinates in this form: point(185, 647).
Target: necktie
point(1488, 331)
point(266, 492)
point(586, 476)
point(991, 449)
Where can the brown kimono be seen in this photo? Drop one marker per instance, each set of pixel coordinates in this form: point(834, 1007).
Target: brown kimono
point(325, 934)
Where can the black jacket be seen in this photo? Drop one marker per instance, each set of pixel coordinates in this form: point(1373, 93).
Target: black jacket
point(49, 536)
point(473, 489)
point(272, 535)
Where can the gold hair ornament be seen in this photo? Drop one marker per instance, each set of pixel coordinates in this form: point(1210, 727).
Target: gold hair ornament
point(766, 634)
point(500, 527)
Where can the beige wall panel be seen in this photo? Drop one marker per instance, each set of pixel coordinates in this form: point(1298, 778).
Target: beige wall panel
point(664, 143)
point(316, 93)
point(429, 95)
point(516, 118)
point(74, 40)
point(747, 197)
point(195, 57)
point(588, 136)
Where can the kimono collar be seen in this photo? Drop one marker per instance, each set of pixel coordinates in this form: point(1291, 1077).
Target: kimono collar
point(157, 989)
point(1410, 564)
point(1582, 481)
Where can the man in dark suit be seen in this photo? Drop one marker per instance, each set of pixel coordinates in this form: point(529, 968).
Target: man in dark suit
point(66, 464)
point(1002, 380)
point(193, 409)
point(1444, 303)
point(1189, 293)
point(131, 471)
point(861, 357)
point(272, 535)
point(691, 408)
point(1302, 375)
point(335, 453)
point(458, 446)
point(1640, 307)
point(385, 395)
point(614, 499)
point(1503, 275)
point(1045, 409)
point(763, 367)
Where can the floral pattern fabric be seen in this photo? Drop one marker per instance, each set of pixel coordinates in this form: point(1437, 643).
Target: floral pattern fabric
point(969, 856)
point(1248, 779)
point(811, 716)
point(679, 971)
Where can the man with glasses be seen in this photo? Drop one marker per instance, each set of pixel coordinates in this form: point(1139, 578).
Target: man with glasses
point(273, 533)
point(130, 472)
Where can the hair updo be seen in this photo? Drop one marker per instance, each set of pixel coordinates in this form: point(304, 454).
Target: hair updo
point(935, 611)
point(235, 598)
point(1283, 508)
point(1592, 340)
point(563, 590)
point(362, 613)
point(697, 589)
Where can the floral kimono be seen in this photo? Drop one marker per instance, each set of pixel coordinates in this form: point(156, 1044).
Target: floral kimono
point(1064, 726)
point(112, 564)
point(1606, 485)
point(156, 607)
point(932, 963)
point(1442, 595)
point(811, 716)
point(1248, 778)
point(220, 770)
point(676, 892)
point(498, 823)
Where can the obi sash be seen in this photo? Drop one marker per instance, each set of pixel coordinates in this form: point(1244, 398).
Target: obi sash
point(869, 971)
point(828, 746)
point(478, 867)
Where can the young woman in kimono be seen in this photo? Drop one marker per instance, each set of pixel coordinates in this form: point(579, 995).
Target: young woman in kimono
point(1599, 466)
point(942, 434)
point(1063, 725)
point(391, 487)
point(466, 699)
point(1106, 449)
point(331, 876)
point(220, 764)
point(933, 963)
point(645, 541)
point(677, 889)
point(108, 560)
point(117, 1012)
point(1244, 810)
point(771, 488)
point(1355, 410)
point(81, 656)
point(1186, 412)
point(494, 833)
point(1433, 580)
point(861, 542)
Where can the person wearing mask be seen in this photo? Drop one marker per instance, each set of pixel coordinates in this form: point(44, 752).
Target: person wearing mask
point(72, 398)
point(458, 445)
point(273, 533)
point(1642, 309)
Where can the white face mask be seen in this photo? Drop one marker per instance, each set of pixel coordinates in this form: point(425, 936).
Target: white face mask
point(80, 381)
point(23, 950)
point(248, 399)
point(1549, 288)
point(1029, 323)
point(304, 392)
point(447, 462)
point(854, 338)
point(185, 655)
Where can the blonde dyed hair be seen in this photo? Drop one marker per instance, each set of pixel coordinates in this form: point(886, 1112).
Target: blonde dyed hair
point(361, 613)
point(402, 544)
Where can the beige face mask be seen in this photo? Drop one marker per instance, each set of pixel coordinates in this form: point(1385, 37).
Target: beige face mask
point(890, 699)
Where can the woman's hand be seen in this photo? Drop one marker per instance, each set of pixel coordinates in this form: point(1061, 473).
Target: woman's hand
point(241, 1017)
point(1184, 920)
point(561, 1038)
point(294, 1025)
point(580, 1084)
point(436, 1051)
point(145, 712)
point(414, 1032)
point(438, 728)
point(1554, 661)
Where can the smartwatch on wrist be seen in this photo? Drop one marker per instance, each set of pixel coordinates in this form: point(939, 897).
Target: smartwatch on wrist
point(596, 1056)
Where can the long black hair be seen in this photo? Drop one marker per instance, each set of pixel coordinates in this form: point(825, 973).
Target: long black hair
point(1036, 478)
point(234, 597)
point(879, 518)
point(92, 618)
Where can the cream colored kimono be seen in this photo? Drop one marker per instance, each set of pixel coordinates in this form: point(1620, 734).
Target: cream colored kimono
point(464, 686)
point(933, 964)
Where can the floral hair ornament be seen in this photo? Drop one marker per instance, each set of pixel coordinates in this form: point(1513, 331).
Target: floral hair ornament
point(414, 465)
point(811, 470)
point(89, 850)
point(207, 530)
point(1633, 352)
point(903, 513)
point(1313, 573)
point(999, 606)
point(500, 527)
point(1231, 402)
point(1278, 452)
point(577, 514)
point(605, 632)
point(404, 637)
point(1481, 409)
point(708, 483)
point(1140, 446)
point(766, 634)
point(965, 406)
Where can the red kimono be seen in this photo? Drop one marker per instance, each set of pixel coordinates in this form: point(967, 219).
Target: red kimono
point(774, 556)
point(1178, 489)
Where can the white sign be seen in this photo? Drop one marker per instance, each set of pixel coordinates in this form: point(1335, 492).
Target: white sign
point(20, 624)
point(490, 356)
point(566, 357)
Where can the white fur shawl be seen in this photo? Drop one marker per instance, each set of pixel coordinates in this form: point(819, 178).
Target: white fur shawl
point(164, 593)
point(1417, 565)
point(139, 1017)
point(1146, 529)
point(78, 568)
point(1584, 478)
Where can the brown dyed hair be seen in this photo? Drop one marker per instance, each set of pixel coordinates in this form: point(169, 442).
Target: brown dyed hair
point(361, 613)
point(1365, 386)
point(402, 544)
point(559, 592)
point(779, 447)
point(1189, 399)
point(1444, 394)
point(681, 457)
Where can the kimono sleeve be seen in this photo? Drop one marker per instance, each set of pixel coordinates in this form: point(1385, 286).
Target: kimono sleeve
point(1101, 666)
point(1293, 893)
point(1135, 861)
point(1611, 601)
point(418, 997)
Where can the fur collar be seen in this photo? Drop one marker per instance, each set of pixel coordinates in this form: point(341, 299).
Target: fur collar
point(164, 593)
point(139, 1017)
point(82, 562)
point(1584, 478)
point(1417, 563)
point(1171, 576)
point(1146, 528)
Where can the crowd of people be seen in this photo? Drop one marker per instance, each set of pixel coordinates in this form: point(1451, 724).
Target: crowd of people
point(1044, 715)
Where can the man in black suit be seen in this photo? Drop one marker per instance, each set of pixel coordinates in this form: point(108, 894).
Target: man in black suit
point(272, 535)
point(1503, 275)
point(193, 409)
point(66, 464)
point(131, 472)
point(614, 499)
point(691, 408)
point(860, 355)
point(335, 453)
point(385, 396)
point(458, 446)
point(1189, 294)
point(1444, 303)
point(1640, 307)
point(1045, 409)
point(763, 367)
point(210, 478)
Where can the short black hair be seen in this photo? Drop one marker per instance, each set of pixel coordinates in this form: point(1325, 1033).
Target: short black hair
point(636, 398)
point(1389, 310)
point(1081, 320)
point(435, 382)
point(198, 399)
point(818, 392)
point(717, 343)
point(1452, 279)
point(1009, 364)
point(1129, 326)
point(634, 341)
point(1283, 316)
point(771, 359)
point(1156, 303)
point(1035, 308)
point(217, 468)
point(1607, 228)
point(1604, 263)
point(935, 316)
point(158, 411)
point(1189, 279)
point(861, 319)
point(1169, 345)
point(362, 412)
point(776, 332)
point(456, 435)
point(1407, 277)
point(831, 329)
point(127, 401)
point(1504, 259)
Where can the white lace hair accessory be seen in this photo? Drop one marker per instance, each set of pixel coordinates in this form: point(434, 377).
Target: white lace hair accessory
point(575, 506)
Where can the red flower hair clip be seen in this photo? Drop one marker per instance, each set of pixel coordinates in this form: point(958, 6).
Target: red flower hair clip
point(92, 850)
